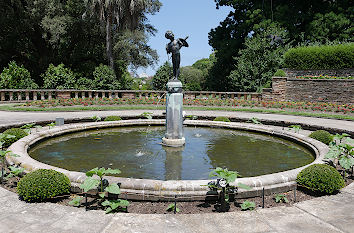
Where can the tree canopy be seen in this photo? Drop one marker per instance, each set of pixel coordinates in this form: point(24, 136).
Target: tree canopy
point(42, 32)
point(304, 21)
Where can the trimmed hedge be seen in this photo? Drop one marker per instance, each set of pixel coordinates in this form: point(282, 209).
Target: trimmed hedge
point(321, 178)
point(42, 184)
point(222, 118)
point(17, 132)
point(322, 136)
point(320, 57)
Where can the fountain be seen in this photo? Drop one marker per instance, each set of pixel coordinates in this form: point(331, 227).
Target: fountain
point(181, 167)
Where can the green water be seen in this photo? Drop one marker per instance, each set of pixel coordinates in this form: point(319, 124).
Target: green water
point(137, 152)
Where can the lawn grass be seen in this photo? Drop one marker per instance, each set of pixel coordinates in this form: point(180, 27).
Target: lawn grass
point(18, 107)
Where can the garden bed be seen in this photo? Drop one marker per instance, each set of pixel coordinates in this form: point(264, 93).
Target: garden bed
point(192, 207)
point(214, 102)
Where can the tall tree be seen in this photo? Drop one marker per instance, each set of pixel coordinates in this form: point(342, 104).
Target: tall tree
point(304, 20)
point(119, 15)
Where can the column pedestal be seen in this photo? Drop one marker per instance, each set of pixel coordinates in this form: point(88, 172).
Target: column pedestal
point(174, 118)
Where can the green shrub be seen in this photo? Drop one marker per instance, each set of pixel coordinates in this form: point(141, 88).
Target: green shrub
point(279, 73)
point(59, 77)
point(17, 132)
point(85, 84)
point(16, 77)
point(322, 136)
point(42, 184)
point(320, 57)
point(222, 118)
point(105, 79)
point(113, 118)
point(321, 177)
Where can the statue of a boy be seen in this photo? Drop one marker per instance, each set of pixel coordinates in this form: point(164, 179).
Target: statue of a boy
point(173, 47)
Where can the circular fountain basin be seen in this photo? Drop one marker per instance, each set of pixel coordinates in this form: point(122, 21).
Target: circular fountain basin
point(155, 172)
point(138, 153)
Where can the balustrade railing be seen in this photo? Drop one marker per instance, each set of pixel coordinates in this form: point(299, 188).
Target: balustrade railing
point(24, 95)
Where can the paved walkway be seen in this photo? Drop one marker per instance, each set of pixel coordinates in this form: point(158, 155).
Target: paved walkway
point(324, 214)
point(27, 117)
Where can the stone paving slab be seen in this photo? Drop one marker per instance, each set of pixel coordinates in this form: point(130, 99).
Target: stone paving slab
point(336, 210)
point(292, 219)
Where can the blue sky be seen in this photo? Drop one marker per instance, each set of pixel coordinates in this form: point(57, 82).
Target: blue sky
point(193, 18)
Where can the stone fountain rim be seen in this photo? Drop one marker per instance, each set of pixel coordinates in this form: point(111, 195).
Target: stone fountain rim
point(271, 182)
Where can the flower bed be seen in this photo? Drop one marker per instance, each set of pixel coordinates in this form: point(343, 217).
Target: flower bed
point(299, 106)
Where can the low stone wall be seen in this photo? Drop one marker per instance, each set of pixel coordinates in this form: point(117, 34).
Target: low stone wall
point(336, 73)
point(310, 90)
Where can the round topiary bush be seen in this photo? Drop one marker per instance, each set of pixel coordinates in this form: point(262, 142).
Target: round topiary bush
point(17, 132)
point(42, 184)
point(113, 118)
point(321, 178)
point(222, 118)
point(322, 136)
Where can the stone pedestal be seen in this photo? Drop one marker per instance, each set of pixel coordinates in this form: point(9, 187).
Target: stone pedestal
point(174, 118)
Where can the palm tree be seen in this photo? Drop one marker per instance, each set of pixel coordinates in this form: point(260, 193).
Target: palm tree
point(121, 15)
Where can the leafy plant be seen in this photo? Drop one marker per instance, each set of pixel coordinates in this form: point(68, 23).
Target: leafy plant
point(3, 154)
point(191, 117)
point(92, 183)
point(255, 120)
point(341, 149)
point(296, 128)
point(27, 127)
point(42, 184)
point(114, 204)
point(281, 198)
point(38, 127)
point(15, 172)
point(171, 207)
point(248, 205)
point(223, 183)
point(76, 201)
point(51, 125)
point(147, 115)
point(96, 118)
point(4, 137)
point(321, 178)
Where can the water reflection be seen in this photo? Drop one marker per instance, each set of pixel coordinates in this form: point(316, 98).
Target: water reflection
point(173, 162)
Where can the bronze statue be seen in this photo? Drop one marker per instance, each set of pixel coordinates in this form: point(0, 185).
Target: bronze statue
point(173, 47)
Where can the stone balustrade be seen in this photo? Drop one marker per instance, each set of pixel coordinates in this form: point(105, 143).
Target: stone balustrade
point(24, 95)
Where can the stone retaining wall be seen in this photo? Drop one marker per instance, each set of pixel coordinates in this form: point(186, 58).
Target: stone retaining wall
point(310, 90)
